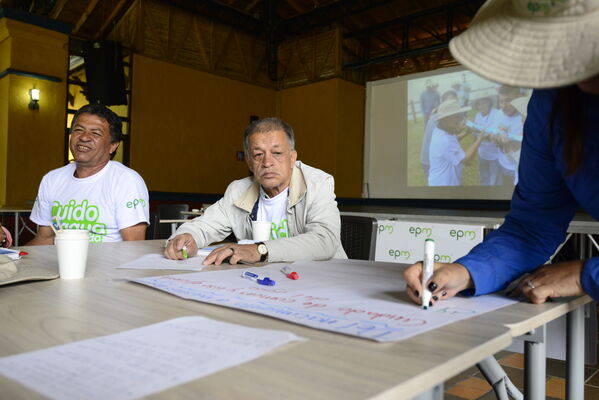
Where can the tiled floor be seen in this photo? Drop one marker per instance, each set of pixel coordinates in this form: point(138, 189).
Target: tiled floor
point(471, 385)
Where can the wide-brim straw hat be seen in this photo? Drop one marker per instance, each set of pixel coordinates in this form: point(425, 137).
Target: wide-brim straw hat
point(449, 108)
point(20, 270)
point(532, 44)
point(483, 94)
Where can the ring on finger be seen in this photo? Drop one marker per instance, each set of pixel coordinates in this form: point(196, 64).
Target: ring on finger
point(530, 285)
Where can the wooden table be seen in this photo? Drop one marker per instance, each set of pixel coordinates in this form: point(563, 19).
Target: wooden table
point(328, 366)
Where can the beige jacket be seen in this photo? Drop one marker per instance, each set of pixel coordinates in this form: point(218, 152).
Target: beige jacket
point(312, 213)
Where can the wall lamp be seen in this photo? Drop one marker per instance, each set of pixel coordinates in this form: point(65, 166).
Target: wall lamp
point(34, 98)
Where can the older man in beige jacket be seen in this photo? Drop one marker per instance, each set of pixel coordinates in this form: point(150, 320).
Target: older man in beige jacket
point(297, 199)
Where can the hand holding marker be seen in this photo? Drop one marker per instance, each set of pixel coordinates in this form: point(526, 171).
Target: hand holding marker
point(427, 271)
point(184, 252)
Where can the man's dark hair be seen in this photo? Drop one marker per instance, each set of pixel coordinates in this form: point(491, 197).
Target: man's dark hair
point(116, 126)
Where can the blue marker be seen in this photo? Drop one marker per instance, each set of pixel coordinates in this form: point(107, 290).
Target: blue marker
point(57, 223)
point(260, 280)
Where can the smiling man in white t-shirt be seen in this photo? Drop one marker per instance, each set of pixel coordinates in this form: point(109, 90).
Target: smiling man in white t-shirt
point(297, 199)
point(93, 193)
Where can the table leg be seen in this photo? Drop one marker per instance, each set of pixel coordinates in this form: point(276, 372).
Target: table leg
point(502, 385)
point(16, 228)
point(173, 228)
point(534, 366)
point(575, 354)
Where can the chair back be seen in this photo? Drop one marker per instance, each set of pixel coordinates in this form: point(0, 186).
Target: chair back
point(358, 236)
point(169, 211)
point(152, 232)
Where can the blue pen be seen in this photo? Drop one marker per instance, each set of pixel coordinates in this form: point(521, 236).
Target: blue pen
point(260, 280)
point(56, 224)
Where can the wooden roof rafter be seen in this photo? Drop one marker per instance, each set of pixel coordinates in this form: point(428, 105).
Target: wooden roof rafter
point(88, 10)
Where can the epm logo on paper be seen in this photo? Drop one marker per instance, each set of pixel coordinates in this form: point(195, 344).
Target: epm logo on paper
point(401, 254)
point(442, 258)
point(386, 228)
point(458, 234)
point(404, 255)
point(420, 231)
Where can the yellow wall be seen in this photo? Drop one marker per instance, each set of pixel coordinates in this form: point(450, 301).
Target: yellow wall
point(188, 124)
point(350, 142)
point(328, 119)
point(31, 141)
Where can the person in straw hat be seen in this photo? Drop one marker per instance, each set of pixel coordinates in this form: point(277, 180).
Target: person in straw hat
point(510, 123)
point(551, 45)
point(445, 154)
point(487, 118)
point(509, 155)
point(431, 124)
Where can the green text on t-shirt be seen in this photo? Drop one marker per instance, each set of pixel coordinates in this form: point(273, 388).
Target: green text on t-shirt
point(279, 231)
point(80, 216)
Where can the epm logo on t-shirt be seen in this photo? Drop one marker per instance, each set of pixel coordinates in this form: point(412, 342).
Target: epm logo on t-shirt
point(80, 216)
point(280, 231)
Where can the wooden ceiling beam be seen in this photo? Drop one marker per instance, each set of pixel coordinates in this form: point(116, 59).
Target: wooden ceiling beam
point(110, 18)
point(57, 9)
point(394, 56)
point(329, 13)
point(410, 18)
point(294, 5)
point(220, 12)
point(88, 10)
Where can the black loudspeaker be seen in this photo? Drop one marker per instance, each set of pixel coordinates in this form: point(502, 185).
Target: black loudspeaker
point(104, 72)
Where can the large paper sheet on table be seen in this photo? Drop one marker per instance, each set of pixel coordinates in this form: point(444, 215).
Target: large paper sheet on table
point(158, 261)
point(141, 361)
point(346, 296)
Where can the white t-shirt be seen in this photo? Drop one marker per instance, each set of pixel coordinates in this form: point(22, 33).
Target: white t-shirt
point(110, 200)
point(274, 210)
point(513, 126)
point(488, 150)
point(431, 124)
point(445, 157)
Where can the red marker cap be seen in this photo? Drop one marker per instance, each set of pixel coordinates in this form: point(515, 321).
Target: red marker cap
point(293, 275)
point(23, 253)
point(289, 274)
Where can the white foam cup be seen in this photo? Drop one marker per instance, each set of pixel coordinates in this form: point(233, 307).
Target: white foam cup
point(72, 246)
point(261, 230)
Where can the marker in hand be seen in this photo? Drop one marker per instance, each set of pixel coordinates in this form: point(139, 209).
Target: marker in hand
point(184, 252)
point(427, 271)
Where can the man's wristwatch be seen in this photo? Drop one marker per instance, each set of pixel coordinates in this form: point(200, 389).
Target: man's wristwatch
point(262, 250)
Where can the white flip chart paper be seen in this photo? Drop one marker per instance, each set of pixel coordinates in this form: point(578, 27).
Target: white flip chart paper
point(358, 298)
point(158, 261)
point(141, 361)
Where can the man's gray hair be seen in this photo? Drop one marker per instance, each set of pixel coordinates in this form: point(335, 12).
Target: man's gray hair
point(268, 125)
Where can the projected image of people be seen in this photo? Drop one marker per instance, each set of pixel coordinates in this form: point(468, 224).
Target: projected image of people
point(464, 130)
